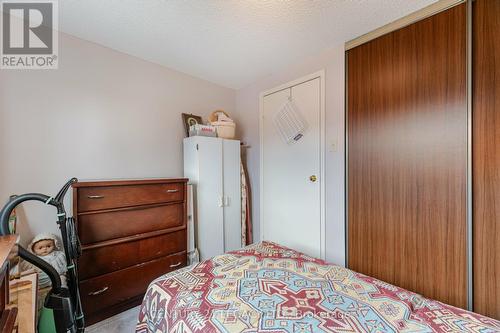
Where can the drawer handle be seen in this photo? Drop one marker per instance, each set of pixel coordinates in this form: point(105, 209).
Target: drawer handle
point(172, 191)
point(98, 292)
point(95, 196)
point(176, 265)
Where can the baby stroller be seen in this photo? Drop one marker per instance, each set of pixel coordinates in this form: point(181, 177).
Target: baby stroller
point(62, 310)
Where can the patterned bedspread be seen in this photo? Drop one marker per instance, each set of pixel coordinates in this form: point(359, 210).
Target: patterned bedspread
point(269, 288)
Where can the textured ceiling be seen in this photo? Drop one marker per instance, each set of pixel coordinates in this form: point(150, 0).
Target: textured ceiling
point(229, 42)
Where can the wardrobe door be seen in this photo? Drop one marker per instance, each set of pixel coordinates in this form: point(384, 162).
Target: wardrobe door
point(210, 191)
point(407, 157)
point(486, 156)
point(232, 195)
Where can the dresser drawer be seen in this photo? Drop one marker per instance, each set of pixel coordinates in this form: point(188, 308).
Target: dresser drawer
point(100, 260)
point(110, 289)
point(98, 227)
point(109, 197)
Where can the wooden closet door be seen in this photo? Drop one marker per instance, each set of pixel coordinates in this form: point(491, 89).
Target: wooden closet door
point(486, 156)
point(407, 157)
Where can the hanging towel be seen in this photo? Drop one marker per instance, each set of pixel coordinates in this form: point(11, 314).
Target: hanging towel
point(246, 223)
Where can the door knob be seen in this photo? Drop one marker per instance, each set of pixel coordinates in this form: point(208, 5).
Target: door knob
point(313, 178)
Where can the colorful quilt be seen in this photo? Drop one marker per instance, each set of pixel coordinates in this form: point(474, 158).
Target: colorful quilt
point(270, 288)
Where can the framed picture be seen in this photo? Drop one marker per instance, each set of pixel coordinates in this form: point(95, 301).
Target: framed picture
point(189, 120)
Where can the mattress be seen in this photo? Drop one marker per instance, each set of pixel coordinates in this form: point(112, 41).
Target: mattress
point(270, 288)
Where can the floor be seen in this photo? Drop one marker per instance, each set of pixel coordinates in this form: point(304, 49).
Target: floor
point(122, 322)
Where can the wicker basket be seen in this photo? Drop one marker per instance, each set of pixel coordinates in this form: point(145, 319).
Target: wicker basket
point(225, 129)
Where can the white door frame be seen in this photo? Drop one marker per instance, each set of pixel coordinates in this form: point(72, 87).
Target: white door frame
point(321, 75)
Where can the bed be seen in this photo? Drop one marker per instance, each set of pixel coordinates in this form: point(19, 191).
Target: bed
point(270, 288)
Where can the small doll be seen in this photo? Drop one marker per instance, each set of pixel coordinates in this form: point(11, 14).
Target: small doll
point(46, 247)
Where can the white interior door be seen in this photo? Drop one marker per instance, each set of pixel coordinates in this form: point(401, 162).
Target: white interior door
point(290, 198)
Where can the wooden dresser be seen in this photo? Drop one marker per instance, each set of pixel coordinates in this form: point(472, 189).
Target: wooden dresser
point(131, 232)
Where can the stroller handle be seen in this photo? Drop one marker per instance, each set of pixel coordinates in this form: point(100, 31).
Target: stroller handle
point(55, 279)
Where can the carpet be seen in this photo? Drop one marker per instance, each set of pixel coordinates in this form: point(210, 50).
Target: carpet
point(122, 322)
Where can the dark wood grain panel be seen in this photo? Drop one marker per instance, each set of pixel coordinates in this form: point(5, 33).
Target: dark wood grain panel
point(111, 258)
point(407, 141)
point(113, 224)
point(486, 156)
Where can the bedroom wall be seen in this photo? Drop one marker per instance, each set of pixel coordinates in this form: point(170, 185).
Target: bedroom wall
point(101, 115)
point(247, 116)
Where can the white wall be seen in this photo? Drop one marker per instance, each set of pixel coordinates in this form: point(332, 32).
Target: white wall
point(247, 116)
point(107, 115)
point(101, 115)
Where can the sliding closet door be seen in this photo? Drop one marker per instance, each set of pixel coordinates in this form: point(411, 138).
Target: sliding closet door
point(407, 157)
point(486, 156)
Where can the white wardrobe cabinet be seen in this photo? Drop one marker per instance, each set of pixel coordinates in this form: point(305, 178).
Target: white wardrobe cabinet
point(213, 167)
